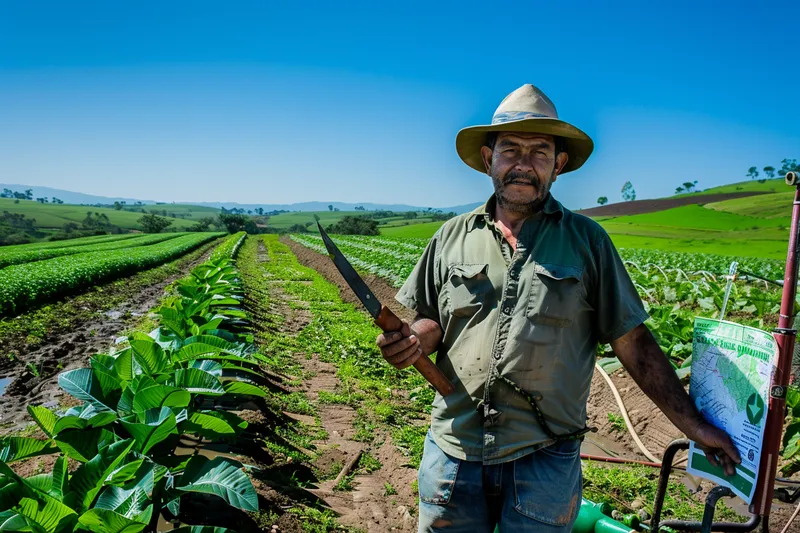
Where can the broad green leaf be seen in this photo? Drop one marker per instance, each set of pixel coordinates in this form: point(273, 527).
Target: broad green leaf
point(213, 424)
point(13, 521)
point(60, 485)
point(125, 404)
point(149, 355)
point(126, 366)
point(106, 375)
point(81, 385)
point(150, 427)
point(40, 482)
point(791, 440)
point(220, 476)
point(173, 319)
point(42, 512)
point(212, 367)
point(19, 448)
point(44, 418)
point(240, 387)
point(129, 503)
point(89, 478)
point(126, 471)
point(47, 513)
point(107, 521)
point(160, 396)
point(77, 444)
point(197, 381)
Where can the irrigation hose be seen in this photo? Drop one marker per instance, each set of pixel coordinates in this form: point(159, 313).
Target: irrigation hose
point(627, 419)
point(791, 519)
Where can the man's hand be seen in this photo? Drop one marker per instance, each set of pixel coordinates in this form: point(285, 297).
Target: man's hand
point(641, 356)
point(718, 447)
point(400, 348)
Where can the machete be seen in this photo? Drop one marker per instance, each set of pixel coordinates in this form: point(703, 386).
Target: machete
point(383, 316)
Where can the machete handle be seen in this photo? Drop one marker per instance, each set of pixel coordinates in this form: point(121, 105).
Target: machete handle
point(388, 321)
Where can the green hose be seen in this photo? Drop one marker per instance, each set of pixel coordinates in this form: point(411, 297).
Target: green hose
point(594, 518)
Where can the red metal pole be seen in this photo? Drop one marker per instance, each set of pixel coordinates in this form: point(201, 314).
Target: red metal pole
point(785, 337)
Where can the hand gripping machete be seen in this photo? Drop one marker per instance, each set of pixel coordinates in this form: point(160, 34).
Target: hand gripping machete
point(384, 317)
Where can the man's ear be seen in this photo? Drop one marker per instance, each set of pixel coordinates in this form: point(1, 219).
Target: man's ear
point(561, 162)
point(486, 155)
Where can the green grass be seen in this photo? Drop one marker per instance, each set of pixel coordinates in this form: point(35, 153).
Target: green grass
point(740, 248)
point(778, 205)
point(56, 215)
point(698, 217)
point(774, 185)
point(285, 220)
point(424, 230)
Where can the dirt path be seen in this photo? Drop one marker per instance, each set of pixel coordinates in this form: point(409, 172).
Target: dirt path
point(32, 375)
point(380, 500)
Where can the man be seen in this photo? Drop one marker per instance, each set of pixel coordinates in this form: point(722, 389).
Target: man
point(515, 297)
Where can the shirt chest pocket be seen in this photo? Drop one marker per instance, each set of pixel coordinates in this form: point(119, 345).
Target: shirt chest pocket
point(468, 289)
point(555, 295)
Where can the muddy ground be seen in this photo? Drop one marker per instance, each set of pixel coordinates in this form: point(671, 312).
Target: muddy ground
point(638, 207)
point(654, 429)
point(32, 375)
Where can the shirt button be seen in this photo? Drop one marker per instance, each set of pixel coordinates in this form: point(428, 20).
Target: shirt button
point(507, 310)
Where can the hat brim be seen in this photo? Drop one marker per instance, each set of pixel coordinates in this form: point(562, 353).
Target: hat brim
point(579, 145)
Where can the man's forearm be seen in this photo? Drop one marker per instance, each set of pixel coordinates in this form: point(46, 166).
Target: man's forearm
point(648, 366)
point(428, 332)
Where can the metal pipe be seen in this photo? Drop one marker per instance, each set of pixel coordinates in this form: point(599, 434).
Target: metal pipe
point(663, 478)
point(785, 337)
point(711, 505)
point(720, 527)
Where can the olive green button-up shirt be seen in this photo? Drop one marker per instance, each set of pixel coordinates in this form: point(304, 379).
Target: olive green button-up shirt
point(533, 315)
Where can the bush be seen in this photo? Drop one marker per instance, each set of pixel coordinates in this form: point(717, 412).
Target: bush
point(354, 225)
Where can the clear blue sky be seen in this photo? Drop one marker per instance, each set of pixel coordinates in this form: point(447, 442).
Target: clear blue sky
point(276, 102)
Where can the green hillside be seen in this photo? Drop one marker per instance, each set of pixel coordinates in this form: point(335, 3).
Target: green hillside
point(769, 186)
point(764, 205)
point(286, 220)
point(424, 230)
point(54, 216)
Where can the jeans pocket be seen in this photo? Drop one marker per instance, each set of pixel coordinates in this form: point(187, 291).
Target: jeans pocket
point(437, 474)
point(547, 484)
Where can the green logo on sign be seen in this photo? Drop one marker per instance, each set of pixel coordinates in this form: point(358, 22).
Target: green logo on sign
point(755, 409)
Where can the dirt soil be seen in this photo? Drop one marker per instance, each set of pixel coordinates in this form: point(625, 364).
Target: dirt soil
point(71, 349)
point(652, 426)
point(638, 207)
point(366, 506)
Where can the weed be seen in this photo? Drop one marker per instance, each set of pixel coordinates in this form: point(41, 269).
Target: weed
point(617, 422)
point(388, 490)
point(345, 484)
point(368, 463)
point(32, 369)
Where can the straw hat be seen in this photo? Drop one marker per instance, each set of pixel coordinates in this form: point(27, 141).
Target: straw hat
point(526, 110)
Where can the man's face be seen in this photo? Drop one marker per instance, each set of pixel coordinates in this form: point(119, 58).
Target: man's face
point(523, 167)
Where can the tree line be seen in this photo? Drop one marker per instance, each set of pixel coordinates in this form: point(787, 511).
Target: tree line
point(787, 165)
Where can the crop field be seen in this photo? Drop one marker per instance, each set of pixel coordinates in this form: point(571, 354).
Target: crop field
point(239, 383)
point(56, 215)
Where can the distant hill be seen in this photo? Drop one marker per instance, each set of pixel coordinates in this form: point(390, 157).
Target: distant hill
point(70, 197)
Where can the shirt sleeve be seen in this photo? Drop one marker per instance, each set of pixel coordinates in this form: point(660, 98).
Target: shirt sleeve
point(420, 292)
point(618, 307)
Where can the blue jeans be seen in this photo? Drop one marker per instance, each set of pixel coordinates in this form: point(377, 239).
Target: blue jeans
point(537, 493)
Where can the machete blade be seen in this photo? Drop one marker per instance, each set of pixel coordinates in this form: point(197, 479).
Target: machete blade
point(350, 275)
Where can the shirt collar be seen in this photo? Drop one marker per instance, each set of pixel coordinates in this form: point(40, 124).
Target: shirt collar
point(552, 208)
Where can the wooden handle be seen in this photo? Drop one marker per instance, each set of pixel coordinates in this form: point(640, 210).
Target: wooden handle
point(388, 321)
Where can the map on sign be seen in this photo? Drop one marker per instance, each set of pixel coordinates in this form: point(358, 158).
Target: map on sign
point(731, 374)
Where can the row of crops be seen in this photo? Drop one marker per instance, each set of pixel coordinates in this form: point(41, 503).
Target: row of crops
point(119, 465)
point(675, 287)
point(75, 268)
point(36, 253)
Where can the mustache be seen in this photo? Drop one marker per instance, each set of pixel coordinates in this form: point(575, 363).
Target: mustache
point(520, 177)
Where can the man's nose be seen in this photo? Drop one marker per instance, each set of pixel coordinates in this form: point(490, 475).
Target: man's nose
point(525, 163)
